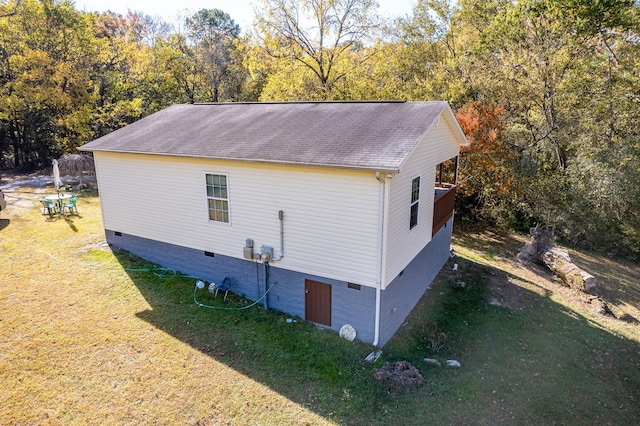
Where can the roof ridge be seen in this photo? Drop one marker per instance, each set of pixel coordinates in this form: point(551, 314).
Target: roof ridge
point(388, 101)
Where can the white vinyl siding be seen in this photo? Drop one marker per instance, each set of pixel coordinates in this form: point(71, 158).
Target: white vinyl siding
point(331, 216)
point(403, 244)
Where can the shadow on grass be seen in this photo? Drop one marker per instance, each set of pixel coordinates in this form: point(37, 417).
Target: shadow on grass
point(617, 282)
point(69, 222)
point(4, 223)
point(540, 364)
point(310, 366)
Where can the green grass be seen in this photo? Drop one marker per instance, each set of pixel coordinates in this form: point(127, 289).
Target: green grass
point(115, 344)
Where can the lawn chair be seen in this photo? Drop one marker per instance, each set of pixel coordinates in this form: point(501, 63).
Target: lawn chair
point(70, 205)
point(49, 208)
point(225, 286)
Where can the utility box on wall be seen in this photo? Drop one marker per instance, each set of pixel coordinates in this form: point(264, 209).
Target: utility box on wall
point(247, 251)
point(266, 253)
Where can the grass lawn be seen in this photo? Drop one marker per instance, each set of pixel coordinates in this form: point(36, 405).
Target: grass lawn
point(91, 336)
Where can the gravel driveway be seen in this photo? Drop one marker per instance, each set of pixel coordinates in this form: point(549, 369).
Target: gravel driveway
point(26, 191)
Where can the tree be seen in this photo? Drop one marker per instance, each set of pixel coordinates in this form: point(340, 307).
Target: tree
point(117, 65)
point(315, 37)
point(563, 71)
point(436, 50)
point(9, 9)
point(212, 34)
point(43, 81)
point(488, 188)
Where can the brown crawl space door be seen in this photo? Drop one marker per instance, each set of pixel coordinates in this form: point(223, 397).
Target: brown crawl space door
point(317, 300)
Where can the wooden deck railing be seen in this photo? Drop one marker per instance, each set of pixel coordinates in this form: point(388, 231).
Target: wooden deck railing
point(443, 206)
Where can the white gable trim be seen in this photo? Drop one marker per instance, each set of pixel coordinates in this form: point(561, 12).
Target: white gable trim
point(454, 126)
point(452, 121)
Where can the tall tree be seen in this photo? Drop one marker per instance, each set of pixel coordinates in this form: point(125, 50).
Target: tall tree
point(213, 34)
point(560, 69)
point(116, 72)
point(436, 50)
point(315, 38)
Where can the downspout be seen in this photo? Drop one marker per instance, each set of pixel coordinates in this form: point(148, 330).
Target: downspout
point(376, 332)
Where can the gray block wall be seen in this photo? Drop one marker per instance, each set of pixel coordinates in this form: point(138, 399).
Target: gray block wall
point(349, 306)
point(404, 292)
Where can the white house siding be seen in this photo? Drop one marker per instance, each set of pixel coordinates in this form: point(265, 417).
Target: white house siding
point(404, 244)
point(330, 215)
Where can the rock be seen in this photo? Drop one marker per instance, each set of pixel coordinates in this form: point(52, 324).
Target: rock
point(600, 307)
point(348, 332)
point(432, 361)
point(452, 363)
point(373, 356)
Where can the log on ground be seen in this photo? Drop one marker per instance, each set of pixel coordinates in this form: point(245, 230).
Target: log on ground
point(541, 249)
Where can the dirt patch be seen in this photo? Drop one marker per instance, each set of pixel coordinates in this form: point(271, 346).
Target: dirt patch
point(25, 197)
point(504, 291)
point(512, 284)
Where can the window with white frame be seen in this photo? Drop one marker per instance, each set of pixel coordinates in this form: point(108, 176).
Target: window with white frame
point(415, 202)
point(218, 197)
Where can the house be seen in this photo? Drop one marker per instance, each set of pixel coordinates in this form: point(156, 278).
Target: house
point(333, 206)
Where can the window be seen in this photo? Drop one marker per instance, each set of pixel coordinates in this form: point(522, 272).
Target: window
point(218, 198)
point(415, 201)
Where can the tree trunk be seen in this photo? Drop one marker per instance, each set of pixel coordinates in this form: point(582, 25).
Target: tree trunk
point(541, 249)
point(559, 262)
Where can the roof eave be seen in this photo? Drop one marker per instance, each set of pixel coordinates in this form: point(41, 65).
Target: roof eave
point(371, 168)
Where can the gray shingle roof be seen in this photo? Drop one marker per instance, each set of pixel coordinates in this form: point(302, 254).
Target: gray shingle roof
point(358, 135)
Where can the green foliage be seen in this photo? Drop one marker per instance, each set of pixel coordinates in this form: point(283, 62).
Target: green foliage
point(42, 86)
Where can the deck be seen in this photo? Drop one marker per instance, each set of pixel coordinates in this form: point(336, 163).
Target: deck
point(443, 205)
